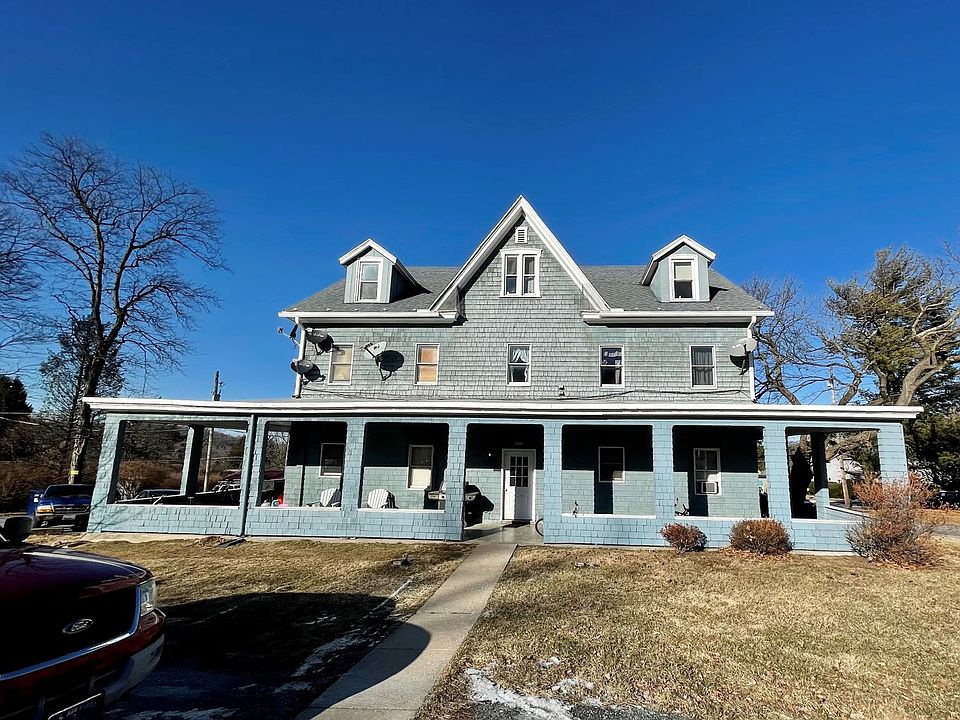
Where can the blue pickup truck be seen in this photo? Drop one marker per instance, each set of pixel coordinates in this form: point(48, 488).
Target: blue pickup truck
point(59, 504)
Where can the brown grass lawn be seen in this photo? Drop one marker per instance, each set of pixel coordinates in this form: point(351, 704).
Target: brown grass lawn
point(249, 615)
point(944, 517)
point(721, 636)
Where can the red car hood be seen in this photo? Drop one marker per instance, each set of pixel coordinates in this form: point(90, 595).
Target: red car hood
point(33, 570)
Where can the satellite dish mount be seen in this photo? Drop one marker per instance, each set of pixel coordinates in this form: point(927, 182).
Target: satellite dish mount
point(375, 351)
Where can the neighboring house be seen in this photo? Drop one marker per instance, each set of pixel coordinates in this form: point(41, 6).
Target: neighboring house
point(604, 399)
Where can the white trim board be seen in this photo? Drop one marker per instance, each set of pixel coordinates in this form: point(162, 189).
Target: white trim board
point(520, 208)
point(520, 407)
point(660, 254)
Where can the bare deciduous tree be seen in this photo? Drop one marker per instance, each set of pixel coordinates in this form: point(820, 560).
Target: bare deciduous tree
point(19, 323)
point(115, 239)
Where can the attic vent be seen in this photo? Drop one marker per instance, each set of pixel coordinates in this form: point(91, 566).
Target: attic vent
point(520, 236)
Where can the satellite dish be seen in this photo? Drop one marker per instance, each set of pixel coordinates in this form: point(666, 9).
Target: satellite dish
point(303, 367)
point(737, 350)
point(375, 350)
point(317, 337)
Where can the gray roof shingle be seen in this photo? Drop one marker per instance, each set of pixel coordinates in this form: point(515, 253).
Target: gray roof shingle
point(618, 284)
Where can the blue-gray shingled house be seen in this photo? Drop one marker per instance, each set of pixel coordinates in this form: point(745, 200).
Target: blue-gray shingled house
point(521, 385)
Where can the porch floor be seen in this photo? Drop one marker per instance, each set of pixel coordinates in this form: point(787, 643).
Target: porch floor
point(502, 532)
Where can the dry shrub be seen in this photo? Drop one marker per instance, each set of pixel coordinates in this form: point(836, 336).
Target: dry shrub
point(895, 528)
point(684, 538)
point(17, 479)
point(761, 537)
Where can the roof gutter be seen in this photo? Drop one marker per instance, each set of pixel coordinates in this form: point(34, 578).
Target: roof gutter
point(510, 408)
point(415, 317)
point(672, 317)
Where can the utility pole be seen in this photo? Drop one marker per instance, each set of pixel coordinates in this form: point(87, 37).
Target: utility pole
point(215, 396)
point(833, 388)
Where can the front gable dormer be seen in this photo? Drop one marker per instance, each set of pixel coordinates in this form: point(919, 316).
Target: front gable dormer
point(677, 272)
point(375, 275)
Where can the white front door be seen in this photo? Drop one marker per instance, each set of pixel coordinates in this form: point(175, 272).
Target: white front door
point(519, 468)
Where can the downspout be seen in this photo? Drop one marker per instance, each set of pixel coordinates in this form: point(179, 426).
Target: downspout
point(751, 369)
point(298, 383)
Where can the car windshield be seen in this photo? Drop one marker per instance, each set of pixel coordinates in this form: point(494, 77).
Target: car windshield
point(67, 490)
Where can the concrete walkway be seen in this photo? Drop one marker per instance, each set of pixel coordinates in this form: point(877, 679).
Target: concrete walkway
point(395, 677)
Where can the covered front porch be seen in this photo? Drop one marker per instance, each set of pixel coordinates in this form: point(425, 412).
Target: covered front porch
point(595, 476)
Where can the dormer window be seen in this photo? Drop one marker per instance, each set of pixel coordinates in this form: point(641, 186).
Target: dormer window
point(368, 281)
point(683, 285)
point(521, 274)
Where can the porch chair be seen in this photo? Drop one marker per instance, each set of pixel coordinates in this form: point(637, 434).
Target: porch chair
point(330, 498)
point(381, 499)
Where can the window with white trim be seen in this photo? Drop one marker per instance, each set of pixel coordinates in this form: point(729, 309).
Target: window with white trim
point(368, 281)
point(611, 462)
point(428, 364)
point(518, 365)
point(683, 284)
point(611, 365)
point(331, 459)
point(703, 370)
point(706, 471)
point(420, 467)
point(521, 274)
point(341, 364)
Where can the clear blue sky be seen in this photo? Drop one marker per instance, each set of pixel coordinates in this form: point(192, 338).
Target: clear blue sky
point(792, 137)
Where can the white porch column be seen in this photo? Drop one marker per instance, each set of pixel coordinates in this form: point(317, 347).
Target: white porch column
point(821, 484)
point(893, 453)
point(352, 469)
point(454, 476)
point(778, 472)
point(191, 460)
point(108, 470)
point(252, 469)
point(663, 471)
point(551, 480)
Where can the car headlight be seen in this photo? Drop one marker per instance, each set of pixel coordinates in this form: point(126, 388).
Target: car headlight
point(44, 508)
point(148, 597)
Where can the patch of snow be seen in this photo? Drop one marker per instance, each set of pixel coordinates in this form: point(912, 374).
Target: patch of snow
point(550, 662)
point(568, 684)
point(393, 595)
point(195, 714)
point(319, 656)
point(484, 689)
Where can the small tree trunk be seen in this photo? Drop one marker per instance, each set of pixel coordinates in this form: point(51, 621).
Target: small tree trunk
point(78, 452)
point(845, 485)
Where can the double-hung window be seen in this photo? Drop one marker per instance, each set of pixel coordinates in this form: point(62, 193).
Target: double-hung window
point(521, 274)
point(518, 364)
point(706, 471)
point(428, 364)
point(368, 281)
point(610, 464)
point(682, 279)
point(611, 365)
point(703, 371)
point(420, 467)
point(331, 459)
point(341, 364)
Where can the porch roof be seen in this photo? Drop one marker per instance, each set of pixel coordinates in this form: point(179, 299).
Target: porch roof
point(519, 408)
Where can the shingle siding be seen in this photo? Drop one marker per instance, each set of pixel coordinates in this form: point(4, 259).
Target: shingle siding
point(565, 350)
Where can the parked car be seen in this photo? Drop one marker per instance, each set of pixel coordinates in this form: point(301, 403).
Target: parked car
point(61, 503)
point(152, 493)
point(78, 630)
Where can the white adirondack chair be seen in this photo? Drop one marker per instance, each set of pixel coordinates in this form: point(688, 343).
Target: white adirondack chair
point(380, 499)
point(330, 498)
